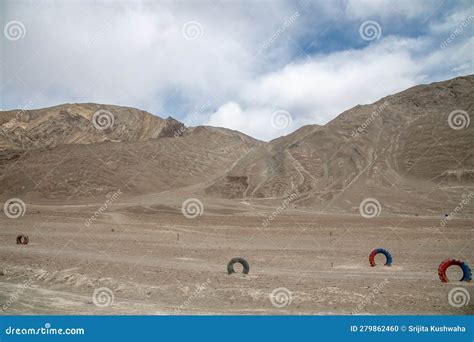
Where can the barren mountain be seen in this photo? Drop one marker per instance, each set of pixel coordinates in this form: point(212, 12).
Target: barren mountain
point(402, 150)
point(58, 153)
point(401, 153)
point(396, 149)
point(80, 124)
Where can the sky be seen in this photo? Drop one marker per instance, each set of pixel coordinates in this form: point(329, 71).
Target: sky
point(264, 68)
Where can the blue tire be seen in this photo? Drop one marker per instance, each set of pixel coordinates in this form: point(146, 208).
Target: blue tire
point(467, 274)
point(376, 251)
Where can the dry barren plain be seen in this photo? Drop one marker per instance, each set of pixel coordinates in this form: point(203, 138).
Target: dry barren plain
point(142, 258)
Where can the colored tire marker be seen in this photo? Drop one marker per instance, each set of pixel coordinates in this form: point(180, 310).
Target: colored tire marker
point(242, 261)
point(22, 239)
point(466, 270)
point(376, 251)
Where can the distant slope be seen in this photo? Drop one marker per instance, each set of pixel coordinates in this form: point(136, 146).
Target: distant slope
point(74, 124)
point(57, 153)
point(73, 171)
point(400, 144)
point(399, 150)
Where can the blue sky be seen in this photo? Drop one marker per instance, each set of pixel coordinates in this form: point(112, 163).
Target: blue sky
point(232, 64)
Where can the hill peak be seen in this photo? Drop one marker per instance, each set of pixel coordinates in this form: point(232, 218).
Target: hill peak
point(80, 123)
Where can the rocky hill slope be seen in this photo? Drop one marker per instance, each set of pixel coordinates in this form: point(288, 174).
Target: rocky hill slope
point(415, 142)
point(61, 153)
point(80, 124)
point(411, 150)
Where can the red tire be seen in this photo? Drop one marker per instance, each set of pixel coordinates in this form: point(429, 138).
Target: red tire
point(450, 262)
point(380, 251)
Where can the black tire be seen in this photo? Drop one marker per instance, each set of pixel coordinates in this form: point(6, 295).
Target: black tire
point(242, 261)
point(22, 239)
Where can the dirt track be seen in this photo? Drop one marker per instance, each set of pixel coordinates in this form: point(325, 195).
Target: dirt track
point(134, 251)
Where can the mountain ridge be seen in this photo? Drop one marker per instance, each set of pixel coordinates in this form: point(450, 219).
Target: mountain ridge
point(393, 149)
point(390, 142)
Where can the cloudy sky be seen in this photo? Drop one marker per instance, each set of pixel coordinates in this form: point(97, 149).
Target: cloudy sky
point(236, 64)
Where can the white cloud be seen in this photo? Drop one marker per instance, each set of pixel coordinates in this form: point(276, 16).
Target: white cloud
point(134, 54)
point(456, 20)
point(361, 9)
point(230, 115)
point(254, 121)
point(315, 91)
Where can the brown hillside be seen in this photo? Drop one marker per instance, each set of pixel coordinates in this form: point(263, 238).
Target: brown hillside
point(395, 148)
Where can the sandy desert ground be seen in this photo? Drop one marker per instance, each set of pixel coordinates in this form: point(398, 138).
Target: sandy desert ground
point(141, 255)
point(150, 259)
